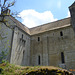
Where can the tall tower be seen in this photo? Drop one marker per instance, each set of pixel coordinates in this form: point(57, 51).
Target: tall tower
point(72, 12)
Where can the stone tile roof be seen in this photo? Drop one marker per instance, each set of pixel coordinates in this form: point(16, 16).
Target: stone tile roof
point(20, 25)
point(51, 26)
point(43, 28)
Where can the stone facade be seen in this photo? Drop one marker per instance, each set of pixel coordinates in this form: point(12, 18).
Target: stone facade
point(20, 53)
point(51, 44)
point(5, 39)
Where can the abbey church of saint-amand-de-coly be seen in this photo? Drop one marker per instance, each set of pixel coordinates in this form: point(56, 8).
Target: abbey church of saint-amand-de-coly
point(51, 44)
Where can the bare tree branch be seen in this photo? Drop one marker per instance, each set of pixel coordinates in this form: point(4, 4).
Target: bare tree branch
point(11, 4)
point(4, 2)
point(0, 3)
point(4, 7)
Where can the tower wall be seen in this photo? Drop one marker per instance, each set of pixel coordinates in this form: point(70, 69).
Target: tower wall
point(72, 12)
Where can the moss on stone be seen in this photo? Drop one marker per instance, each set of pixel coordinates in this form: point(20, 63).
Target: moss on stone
point(10, 69)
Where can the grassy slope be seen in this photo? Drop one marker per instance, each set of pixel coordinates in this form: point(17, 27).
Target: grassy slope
point(10, 69)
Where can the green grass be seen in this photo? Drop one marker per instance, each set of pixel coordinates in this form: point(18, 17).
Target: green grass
point(10, 69)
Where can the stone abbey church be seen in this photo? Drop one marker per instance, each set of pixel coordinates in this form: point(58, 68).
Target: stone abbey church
point(51, 44)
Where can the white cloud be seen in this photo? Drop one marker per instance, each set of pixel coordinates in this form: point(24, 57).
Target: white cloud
point(59, 4)
point(68, 14)
point(32, 18)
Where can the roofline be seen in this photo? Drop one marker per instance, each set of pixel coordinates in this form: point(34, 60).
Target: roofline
point(21, 24)
point(52, 29)
point(30, 29)
point(49, 23)
point(22, 30)
point(71, 6)
point(39, 29)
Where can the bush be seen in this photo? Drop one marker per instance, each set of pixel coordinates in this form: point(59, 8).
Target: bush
point(1, 70)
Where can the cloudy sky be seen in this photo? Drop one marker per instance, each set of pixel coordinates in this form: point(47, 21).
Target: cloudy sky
point(38, 12)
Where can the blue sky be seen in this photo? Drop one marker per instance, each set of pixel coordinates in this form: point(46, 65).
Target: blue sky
point(37, 12)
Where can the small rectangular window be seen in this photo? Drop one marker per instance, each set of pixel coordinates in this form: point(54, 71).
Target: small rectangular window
point(61, 33)
point(62, 57)
point(38, 38)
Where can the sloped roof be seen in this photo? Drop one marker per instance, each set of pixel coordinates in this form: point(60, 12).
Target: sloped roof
point(43, 28)
point(20, 25)
point(51, 26)
point(73, 5)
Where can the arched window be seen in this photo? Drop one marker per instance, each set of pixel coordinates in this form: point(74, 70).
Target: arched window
point(38, 60)
point(62, 57)
point(22, 36)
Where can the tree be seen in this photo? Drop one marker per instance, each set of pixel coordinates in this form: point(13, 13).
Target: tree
point(4, 6)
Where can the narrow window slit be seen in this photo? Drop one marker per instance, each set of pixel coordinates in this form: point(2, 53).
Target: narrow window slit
point(22, 36)
point(38, 38)
point(61, 33)
point(62, 57)
point(38, 60)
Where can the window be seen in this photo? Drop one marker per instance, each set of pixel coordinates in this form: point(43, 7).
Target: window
point(23, 53)
point(22, 41)
point(61, 33)
point(22, 36)
point(38, 38)
point(62, 57)
point(38, 60)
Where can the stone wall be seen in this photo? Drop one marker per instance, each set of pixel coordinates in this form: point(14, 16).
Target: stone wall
point(54, 47)
point(20, 54)
point(50, 46)
point(5, 40)
point(17, 42)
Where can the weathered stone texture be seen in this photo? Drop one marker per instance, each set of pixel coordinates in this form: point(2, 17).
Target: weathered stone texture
point(20, 50)
point(51, 45)
point(5, 40)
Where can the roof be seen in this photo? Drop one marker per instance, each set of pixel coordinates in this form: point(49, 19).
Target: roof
point(20, 25)
point(51, 26)
point(43, 28)
point(73, 5)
